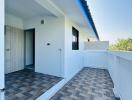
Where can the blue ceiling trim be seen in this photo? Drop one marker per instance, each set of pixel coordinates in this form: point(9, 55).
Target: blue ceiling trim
point(89, 16)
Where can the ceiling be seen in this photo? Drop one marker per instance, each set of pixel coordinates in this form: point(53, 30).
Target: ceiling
point(25, 8)
point(73, 10)
point(70, 8)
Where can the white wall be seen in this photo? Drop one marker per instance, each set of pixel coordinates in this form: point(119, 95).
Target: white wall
point(96, 45)
point(95, 59)
point(1, 48)
point(2, 96)
point(13, 20)
point(121, 72)
point(119, 66)
point(48, 59)
point(73, 58)
point(29, 48)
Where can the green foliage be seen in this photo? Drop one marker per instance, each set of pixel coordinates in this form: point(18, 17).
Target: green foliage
point(122, 44)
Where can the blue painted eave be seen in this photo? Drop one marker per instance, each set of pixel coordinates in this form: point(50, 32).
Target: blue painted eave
point(89, 16)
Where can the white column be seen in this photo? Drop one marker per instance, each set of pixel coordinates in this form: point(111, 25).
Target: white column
point(1, 47)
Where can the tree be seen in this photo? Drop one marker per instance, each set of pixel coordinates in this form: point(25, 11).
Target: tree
point(122, 44)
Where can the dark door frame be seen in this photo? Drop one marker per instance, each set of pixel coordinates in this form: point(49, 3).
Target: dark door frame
point(32, 29)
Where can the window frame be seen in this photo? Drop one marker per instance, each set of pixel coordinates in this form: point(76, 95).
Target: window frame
point(75, 41)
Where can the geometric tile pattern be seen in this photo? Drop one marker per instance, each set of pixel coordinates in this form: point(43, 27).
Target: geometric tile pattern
point(27, 85)
point(88, 84)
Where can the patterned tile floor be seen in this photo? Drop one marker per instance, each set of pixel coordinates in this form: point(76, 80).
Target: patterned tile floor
point(27, 85)
point(88, 84)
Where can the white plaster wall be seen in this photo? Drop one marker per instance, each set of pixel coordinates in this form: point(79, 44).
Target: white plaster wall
point(73, 58)
point(1, 43)
point(119, 66)
point(48, 59)
point(13, 20)
point(95, 59)
point(1, 48)
point(121, 71)
point(2, 96)
point(96, 45)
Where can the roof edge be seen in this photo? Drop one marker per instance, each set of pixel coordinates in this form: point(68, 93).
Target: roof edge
point(89, 16)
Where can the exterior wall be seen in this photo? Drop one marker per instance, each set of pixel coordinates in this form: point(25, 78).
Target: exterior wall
point(2, 96)
point(13, 20)
point(48, 58)
point(73, 58)
point(121, 71)
point(97, 45)
point(95, 59)
point(118, 64)
point(1, 48)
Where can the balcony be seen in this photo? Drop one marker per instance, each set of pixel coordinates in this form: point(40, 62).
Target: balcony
point(105, 75)
point(118, 64)
point(88, 84)
point(66, 72)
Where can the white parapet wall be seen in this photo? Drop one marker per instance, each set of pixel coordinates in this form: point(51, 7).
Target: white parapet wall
point(96, 45)
point(95, 59)
point(120, 69)
point(119, 65)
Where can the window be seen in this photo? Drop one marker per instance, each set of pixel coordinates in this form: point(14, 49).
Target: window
point(75, 39)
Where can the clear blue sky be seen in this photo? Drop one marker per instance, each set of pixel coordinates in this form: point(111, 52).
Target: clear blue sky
point(112, 18)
